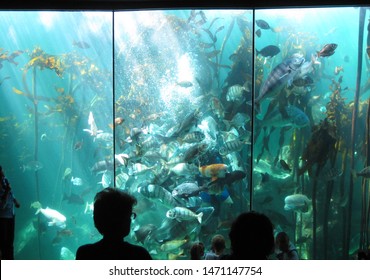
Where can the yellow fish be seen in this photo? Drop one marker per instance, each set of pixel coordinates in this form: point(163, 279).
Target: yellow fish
point(17, 91)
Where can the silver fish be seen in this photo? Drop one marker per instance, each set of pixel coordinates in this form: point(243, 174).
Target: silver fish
point(185, 169)
point(186, 190)
point(183, 214)
point(238, 121)
point(106, 179)
point(231, 146)
point(193, 137)
point(32, 166)
point(297, 202)
point(76, 181)
point(235, 93)
point(121, 180)
point(105, 136)
point(93, 128)
point(158, 194)
point(280, 76)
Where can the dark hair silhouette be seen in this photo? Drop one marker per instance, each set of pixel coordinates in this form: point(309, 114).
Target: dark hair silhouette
point(251, 237)
point(112, 212)
point(218, 243)
point(112, 218)
point(197, 251)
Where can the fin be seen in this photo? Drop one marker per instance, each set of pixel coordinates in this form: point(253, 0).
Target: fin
point(199, 217)
point(229, 200)
point(284, 75)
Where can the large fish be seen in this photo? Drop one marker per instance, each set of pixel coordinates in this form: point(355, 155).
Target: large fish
point(214, 171)
point(283, 74)
point(186, 190)
point(297, 202)
point(291, 116)
point(158, 194)
point(268, 51)
point(54, 217)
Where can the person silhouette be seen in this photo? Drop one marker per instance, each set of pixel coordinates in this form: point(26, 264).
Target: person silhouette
point(251, 236)
point(112, 218)
point(285, 250)
point(218, 247)
point(7, 218)
point(197, 251)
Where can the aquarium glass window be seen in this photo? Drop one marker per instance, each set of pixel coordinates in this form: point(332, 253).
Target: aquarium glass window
point(182, 82)
point(56, 125)
point(199, 114)
point(305, 83)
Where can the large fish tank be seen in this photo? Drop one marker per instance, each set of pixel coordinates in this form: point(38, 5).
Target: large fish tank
point(219, 111)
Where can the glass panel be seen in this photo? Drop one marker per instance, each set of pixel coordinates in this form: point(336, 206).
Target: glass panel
point(55, 76)
point(305, 80)
point(182, 82)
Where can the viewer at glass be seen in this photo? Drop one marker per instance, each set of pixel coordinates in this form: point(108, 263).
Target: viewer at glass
point(7, 218)
point(112, 218)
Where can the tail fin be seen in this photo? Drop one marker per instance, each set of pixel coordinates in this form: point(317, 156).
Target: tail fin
point(199, 217)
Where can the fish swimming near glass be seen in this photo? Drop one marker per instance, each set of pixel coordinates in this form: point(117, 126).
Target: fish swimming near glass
point(291, 116)
point(186, 190)
point(327, 50)
point(93, 128)
point(183, 214)
point(282, 75)
point(54, 217)
point(216, 170)
point(297, 202)
point(236, 92)
point(159, 194)
point(268, 51)
point(32, 166)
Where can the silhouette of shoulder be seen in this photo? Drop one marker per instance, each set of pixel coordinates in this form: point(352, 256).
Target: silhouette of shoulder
point(102, 251)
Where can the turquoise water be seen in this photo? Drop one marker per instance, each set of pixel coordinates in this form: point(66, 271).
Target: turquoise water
point(150, 79)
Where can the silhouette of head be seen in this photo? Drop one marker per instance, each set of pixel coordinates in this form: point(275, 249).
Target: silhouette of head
point(218, 243)
point(251, 236)
point(282, 241)
point(197, 251)
point(112, 212)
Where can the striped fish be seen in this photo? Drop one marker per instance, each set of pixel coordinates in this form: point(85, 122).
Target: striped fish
point(281, 75)
point(231, 146)
point(157, 193)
